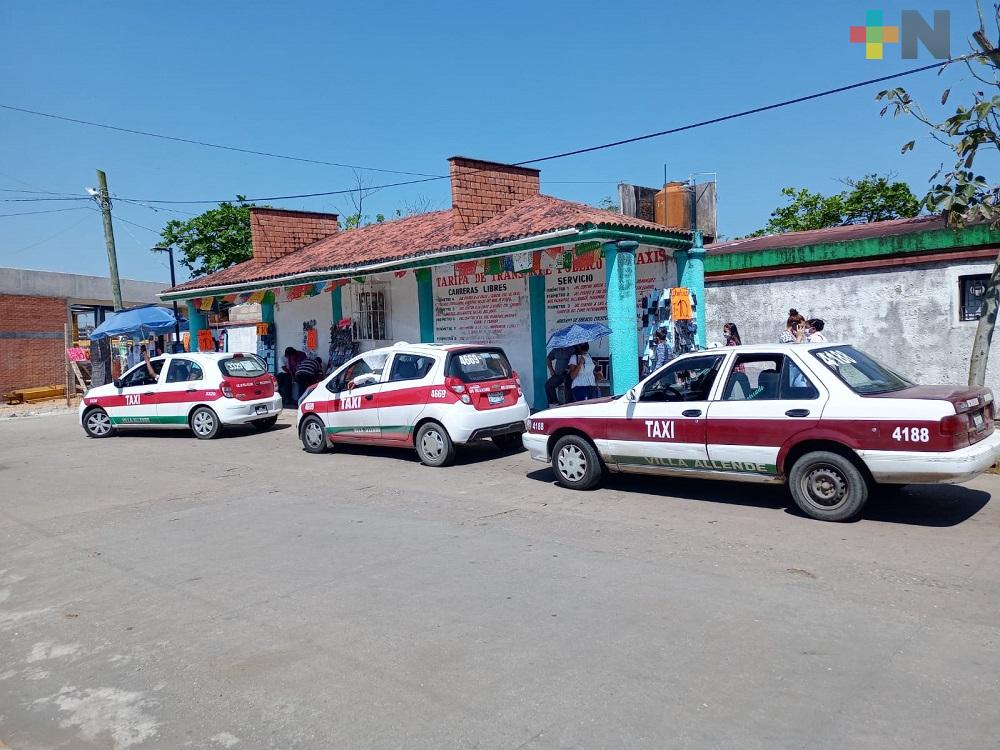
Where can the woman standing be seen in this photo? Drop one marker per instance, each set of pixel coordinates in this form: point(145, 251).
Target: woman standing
point(795, 329)
point(732, 334)
point(581, 370)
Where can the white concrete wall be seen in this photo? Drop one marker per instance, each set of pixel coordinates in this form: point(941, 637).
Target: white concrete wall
point(906, 316)
point(288, 319)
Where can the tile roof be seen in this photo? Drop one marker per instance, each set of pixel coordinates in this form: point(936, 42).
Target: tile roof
point(425, 234)
point(829, 235)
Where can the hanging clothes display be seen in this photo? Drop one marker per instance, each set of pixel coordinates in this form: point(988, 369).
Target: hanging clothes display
point(342, 344)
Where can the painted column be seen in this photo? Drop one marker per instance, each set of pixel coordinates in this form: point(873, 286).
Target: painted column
point(267, 316)
point(337, 305)
point(619, 264)
point(425, 304)
point(694, 279)
point(196, 322)
point(539, 370)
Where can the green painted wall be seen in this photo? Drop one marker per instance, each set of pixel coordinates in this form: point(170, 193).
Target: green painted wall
point(539, 370)
point(832, 252)
point(425, 304)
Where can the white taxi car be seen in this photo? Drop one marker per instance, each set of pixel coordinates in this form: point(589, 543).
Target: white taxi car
point(431, 397)
point(202, 391)
point(826, 419)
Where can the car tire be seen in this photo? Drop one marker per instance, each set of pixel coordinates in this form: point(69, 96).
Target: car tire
point(828, 486)
point(312, 432)
point(434, 445)
point(265, 424)
point(576, 463)
point(204, 423)
point(97, 423)
point(508, 443)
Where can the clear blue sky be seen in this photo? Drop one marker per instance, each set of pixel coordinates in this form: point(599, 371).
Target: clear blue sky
point(405, 85)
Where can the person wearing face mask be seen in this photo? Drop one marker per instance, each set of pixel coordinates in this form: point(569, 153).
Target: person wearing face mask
point(815, 328)
point(581, 370)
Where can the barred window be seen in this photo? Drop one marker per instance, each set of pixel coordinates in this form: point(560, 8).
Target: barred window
point(971, 291)
point(371, 312)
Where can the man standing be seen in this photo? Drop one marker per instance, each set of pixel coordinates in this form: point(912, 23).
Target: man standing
point(557, 362)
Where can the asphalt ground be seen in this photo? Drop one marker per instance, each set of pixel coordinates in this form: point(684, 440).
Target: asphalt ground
point(157, 591)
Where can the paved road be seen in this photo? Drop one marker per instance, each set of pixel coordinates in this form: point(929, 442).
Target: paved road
point(158, 591)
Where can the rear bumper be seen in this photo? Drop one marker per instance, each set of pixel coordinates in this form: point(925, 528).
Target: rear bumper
point(242, 412)
point(536, 445)
point(476, 425)
point(912, 467)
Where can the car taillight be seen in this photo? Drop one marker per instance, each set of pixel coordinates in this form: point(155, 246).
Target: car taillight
point(457, 386)
point(274, 382)
point(227, 390)
point(954, 424)
point(517, 381)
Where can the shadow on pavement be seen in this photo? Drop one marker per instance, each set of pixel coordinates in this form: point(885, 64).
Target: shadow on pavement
point(467, 455)
point(915, 505)
point(234, 431)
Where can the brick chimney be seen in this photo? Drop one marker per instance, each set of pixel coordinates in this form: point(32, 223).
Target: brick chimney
point(276, 232)
point(481, 190)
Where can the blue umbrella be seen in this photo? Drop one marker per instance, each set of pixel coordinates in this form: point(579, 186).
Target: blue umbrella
point(577, 333)
point(140, 321)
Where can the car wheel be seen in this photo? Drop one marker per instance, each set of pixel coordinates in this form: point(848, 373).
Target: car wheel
point(265, 424)
point(205, 423)
point(434, 445)
point(509, 442)
point(313, 434)
point(97, 423)
point(576, 463)
point(828, 486)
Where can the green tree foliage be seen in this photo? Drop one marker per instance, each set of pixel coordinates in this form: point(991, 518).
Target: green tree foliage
point(872, 198)
point(213, 240)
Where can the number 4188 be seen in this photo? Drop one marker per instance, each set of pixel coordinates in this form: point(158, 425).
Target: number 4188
point(912, 434)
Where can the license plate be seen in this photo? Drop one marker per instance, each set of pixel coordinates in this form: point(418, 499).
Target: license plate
point(495, 398)
point(261, 409)
point(977, 420)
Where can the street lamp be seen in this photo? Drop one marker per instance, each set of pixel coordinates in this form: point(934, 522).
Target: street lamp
point(169, 249)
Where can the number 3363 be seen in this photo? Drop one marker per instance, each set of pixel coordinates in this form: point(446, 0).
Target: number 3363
point(912, 434)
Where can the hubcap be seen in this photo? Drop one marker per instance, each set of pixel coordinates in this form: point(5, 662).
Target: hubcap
point(572, 463)
point(314, 434)
point(432, 444)
point(98, 423)
point(203, 423)
point(825, 486)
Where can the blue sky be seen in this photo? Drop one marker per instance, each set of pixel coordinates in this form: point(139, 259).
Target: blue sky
point(406, 85)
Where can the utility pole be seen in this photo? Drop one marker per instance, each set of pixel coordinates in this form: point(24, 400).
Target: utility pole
point(109, 237)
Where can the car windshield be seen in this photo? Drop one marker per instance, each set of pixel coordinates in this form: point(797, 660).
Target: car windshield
point(859, 372)
point(244, 366)
point(479, 365)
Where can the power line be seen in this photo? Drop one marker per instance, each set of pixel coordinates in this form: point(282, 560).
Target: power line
point(47, 211)
point(562, 155)
point(207, 144)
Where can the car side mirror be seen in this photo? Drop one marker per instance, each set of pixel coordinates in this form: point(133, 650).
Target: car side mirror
point(117, 382)
point(366, 379)
point(632, 395)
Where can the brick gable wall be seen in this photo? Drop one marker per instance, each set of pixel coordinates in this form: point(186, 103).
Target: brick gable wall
point(277, 232)
point(31, 341)
point(481, 190)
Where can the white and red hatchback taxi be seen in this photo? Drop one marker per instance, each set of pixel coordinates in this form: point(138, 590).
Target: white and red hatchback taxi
point(825, 418)
point(200, 391)
point(431, 397)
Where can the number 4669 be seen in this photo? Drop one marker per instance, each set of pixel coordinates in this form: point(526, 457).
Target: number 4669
point(912, 434)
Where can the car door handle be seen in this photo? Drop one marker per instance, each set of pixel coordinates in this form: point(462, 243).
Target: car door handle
point(148, 393)
point(797, 413)
point(691, 413)
point(191, 390)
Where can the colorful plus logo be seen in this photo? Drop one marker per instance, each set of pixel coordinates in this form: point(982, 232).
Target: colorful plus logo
point(874, 35)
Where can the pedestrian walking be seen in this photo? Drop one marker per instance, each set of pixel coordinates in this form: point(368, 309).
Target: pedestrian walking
point(795, 329)
point(581, 370)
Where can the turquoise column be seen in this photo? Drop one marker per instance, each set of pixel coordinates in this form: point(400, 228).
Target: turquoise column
point(196, 322)
point(337, 305)
point(267, 316)
point(539, 370)
point(619, 265)
point(425, 304)
point(694, 279)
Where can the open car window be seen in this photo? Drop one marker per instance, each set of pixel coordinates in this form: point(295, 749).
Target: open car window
point(139, 375)
point(360, 371)
point(859, 372)
point(688, 379)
